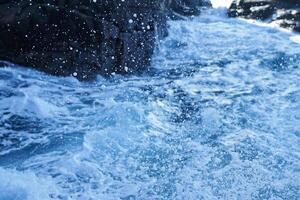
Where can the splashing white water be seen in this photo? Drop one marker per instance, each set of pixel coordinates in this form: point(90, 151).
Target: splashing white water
point(221, 3)
point(215, 117)
point(24, 186)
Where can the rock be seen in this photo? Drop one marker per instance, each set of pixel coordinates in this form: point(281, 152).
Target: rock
point(285, 13)
point(86, 38)
point(179, 8)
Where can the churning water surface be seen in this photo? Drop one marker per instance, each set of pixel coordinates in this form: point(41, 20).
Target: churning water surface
point(217, 116)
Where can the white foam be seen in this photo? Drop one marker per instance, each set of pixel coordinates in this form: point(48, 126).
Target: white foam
point(221, 3)
point(30, 101)
point(295, 38)
point(16, 185)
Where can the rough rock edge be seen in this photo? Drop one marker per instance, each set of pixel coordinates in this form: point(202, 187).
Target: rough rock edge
point(285, 13)
point(86, 38)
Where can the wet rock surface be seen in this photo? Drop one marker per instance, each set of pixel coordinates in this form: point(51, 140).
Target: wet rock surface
point(86, 38)
point(285, 13)
point(178, 8)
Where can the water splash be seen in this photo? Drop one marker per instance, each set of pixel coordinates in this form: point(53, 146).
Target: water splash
point(215, 117)
point(221, 3)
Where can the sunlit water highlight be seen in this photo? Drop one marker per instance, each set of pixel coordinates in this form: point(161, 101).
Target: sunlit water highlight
point(221, 3)
point(217, 116)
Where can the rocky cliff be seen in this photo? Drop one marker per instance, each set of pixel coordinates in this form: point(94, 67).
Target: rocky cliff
point(86, 38)
point(285, 13)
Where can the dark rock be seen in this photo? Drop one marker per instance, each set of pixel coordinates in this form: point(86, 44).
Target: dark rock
point(86, 38)
point(285, 13)
point(178, 8)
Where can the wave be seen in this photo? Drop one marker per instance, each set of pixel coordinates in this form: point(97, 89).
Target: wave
point(216, 116)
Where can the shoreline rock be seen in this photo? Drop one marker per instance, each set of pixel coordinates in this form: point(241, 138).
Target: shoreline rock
point(285, 13)
point(86, 38)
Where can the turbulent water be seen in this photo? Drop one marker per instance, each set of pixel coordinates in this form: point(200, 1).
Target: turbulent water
point(217, 116)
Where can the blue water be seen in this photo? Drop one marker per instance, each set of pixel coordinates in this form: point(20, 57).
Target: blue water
point(217, 116)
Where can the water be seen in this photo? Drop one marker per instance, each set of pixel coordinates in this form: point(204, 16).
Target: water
point(222, 3)
point(217, 116)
